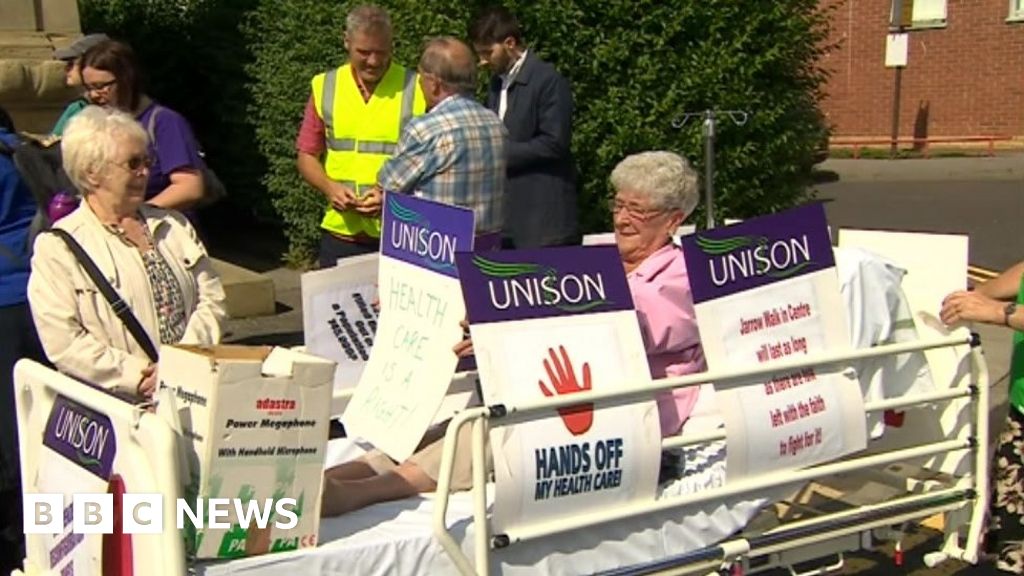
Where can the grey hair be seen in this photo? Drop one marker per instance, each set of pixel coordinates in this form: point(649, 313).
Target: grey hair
point(452, 62)
point(665, 177)
point(368, 18)
point(91, 139)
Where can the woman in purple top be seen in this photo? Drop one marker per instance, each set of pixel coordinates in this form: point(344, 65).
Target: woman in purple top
point(654, 193)
point(111, 77)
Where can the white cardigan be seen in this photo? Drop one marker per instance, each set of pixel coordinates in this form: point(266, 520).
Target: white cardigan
point(80, 332)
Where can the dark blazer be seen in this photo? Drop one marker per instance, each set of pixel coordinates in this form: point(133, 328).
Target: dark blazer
point(540, 194)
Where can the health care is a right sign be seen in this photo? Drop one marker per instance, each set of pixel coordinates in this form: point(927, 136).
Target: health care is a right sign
point(558, 322)
point(766, 290)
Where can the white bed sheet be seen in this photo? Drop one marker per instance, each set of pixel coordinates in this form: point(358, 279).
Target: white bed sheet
point(396, 537)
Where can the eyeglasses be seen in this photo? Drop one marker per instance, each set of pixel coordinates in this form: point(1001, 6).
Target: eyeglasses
point(634, 212)
point(101, 87)
point(135, 163)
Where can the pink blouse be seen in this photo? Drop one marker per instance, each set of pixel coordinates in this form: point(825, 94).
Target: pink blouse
point(668, 324)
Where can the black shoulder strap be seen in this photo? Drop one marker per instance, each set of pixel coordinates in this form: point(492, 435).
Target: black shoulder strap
point(119, 306)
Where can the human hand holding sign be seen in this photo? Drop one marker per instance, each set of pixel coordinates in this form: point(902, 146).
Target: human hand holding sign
point(579, 418)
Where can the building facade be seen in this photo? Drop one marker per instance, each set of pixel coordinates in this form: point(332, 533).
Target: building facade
point(32, 87)
point(964, 73)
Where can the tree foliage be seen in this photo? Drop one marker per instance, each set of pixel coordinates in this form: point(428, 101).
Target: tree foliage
point(241, 71)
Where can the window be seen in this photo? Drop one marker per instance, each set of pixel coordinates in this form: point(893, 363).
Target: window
point(922, 13)
point(1016, 11)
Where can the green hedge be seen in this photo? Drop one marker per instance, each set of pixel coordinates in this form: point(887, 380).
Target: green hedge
point(193, 55)
point(635, 66)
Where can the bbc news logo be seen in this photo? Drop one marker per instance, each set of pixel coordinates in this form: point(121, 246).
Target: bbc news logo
point(144, 513)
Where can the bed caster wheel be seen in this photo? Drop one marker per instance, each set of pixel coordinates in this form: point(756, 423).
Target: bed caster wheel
point(933, 559)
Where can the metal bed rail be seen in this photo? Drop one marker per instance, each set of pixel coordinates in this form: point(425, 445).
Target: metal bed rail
point(969, 495)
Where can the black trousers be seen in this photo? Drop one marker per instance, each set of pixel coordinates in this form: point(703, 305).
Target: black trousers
point(332, 248)
point(18, 340)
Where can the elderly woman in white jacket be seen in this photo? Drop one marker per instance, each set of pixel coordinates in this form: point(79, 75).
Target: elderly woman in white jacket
point(151, 257)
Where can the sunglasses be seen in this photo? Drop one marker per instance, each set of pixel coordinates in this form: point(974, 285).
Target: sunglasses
point(135, 163)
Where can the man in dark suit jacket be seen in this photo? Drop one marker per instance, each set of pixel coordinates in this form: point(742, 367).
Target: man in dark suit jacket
point(535, 103)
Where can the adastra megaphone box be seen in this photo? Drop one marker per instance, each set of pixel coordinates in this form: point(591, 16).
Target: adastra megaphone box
point(254, 426)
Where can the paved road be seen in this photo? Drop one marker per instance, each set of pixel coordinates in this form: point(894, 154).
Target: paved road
point(989, 212)
point(980, 197)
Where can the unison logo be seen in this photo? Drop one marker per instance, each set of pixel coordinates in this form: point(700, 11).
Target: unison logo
point(529, 285)
point(410, 232)
point(742, 257)
point(84, 436)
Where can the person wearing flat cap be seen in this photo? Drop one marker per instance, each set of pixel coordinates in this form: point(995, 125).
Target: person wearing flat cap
point(72, 58)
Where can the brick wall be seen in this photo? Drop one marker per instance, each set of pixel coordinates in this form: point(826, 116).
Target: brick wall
point(964, 79)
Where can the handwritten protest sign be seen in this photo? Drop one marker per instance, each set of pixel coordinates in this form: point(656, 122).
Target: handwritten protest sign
point(766, 290)
point(411, 366)
point(338, 318)
point(549, 323)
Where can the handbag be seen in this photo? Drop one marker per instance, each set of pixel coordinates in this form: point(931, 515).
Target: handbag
point(120, 307)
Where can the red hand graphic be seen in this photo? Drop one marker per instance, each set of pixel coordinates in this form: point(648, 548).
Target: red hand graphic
point(578, 418)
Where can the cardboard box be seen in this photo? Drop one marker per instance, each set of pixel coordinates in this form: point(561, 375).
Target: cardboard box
point(254, 424)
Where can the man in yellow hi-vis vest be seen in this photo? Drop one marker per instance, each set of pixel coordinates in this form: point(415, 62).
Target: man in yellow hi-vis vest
point(353, 118)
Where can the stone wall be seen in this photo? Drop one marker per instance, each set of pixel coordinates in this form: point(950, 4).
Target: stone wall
point(32, 86)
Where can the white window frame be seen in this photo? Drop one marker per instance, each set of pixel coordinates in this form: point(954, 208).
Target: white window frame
point(1016, 11)
point(927, 13)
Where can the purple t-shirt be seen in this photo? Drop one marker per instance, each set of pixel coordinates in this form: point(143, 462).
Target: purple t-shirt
point(172, 147)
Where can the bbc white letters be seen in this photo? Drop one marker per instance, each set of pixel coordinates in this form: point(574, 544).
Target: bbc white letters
point(144, 513)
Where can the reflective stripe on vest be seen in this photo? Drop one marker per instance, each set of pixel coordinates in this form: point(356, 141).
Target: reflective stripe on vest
point(369, 147)
point(408, 98)
point(327, 105)
point(361, 135)
point(359, 189)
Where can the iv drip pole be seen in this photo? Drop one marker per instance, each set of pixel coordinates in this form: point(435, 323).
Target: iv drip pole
point(710, 117)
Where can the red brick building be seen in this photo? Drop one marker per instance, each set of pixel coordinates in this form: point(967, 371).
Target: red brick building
point(964, 74)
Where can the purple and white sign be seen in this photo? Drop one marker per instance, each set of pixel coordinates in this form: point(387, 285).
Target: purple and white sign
point(766, 291)
point(522, 284)
point(82, 435)
point(558, 322)
point(736, 258)
point(425, 233)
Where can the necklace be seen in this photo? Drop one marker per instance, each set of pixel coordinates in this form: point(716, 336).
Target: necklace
point(119, 231)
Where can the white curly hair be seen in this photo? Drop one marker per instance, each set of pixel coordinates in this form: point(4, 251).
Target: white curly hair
point(91, 140)
point(665, 177)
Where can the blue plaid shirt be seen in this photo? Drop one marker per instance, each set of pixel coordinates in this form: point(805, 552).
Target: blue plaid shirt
point(454, 154)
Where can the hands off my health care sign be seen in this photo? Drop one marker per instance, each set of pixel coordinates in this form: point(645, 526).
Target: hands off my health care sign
point(766, 291)
point(412, 363)
point(557, 322)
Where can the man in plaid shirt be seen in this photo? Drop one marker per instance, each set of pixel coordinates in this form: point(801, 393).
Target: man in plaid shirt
point(456, 152)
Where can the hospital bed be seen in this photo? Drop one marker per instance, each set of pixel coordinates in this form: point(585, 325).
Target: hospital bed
point(697, 524)
point(934, 465)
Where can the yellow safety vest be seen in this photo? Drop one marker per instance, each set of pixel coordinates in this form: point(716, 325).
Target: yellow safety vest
point(361, 136)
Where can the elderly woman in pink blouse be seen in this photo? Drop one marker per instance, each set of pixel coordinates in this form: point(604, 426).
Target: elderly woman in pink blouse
point(654, 193)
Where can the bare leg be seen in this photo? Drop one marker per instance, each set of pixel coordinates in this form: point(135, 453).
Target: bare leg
point(354, 470)
point(341, 496)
